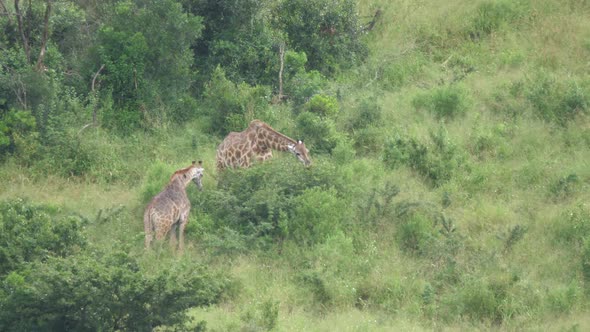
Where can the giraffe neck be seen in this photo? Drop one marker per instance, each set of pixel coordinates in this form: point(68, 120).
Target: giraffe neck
point(180, 179)
point(272, 139)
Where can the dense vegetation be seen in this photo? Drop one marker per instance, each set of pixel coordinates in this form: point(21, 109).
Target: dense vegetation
point(450, 180)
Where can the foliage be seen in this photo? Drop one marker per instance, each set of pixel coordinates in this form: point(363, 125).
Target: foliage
point(13, 126)
point(238, 37)
point(328, 33)
point(437, 162)
point(319, 133)
point(444, 102)
point(248, 209)
point(230, 106)
point(324, 106)
point(95, 291)
point(558, 100)
point(31, 233)
point(316, 214)
point(145, 48)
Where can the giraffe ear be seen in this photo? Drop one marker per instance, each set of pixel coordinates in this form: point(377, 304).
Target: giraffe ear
point(200, 163)
point(194, 162)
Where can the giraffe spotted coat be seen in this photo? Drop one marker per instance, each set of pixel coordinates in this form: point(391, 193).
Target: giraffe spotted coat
point(169, 210)
point(240, 149)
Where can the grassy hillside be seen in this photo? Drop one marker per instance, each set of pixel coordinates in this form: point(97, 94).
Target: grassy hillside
point(456, 196)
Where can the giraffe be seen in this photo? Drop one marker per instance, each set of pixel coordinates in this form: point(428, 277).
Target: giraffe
point(169, 209)
point(256, 143)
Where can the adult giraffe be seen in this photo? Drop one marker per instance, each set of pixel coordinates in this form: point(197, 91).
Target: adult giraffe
point(169, 209)
point(256, 143)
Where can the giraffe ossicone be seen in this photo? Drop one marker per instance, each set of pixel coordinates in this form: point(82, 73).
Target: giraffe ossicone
point(168, 211)
point(240, 149)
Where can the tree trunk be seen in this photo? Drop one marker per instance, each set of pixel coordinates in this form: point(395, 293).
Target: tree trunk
point(282, 59)
point(40, 65)
point(21, 30)
point(94, 95)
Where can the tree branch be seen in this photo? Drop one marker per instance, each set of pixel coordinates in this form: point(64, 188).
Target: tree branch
point(94, 95)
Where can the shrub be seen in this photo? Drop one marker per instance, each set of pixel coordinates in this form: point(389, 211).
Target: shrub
point(437, 163)
point(316, 214)
point(416, 233)
point(369, 140)
point(319, 134)
point(324, 106)
point(95, 291)
point(444, 102)
point(250, 205)
point(230, 106)
point(303, 85)
point(557, 100)
point(31, 232)
point(328, 34)
point(368, 113)
point(15, 125)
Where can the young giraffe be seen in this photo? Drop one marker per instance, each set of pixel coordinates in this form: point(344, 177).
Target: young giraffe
point(169, 209)
point(256, 143)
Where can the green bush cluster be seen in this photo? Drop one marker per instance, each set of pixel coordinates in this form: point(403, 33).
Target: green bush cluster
point(52, 278)
point(276, 201)
point(31, 232)
point(557, 100)
point(436, 162)
point(320, 134)
point(96, 291)
point(229, 106)
point(447, 102)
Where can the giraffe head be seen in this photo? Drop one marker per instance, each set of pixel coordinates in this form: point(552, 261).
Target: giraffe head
point(301, 152)
point(195, 172)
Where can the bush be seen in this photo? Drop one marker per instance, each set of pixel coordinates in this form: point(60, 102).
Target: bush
point(446, 102)
point(565, 187)
point(230, 106)
point(31, 232)
point(328, 34)
point(254, 207)
point(557, 100)
point(416, 233)
point(15, 126)
point(316, 214)
point(303, 85)
point(97, 291)
point(437, 163)
point(324, 106)
point(320, 135)
point(368, 113)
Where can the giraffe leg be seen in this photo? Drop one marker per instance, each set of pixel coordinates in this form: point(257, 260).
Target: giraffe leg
point(173, 235)
point(183, 222)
